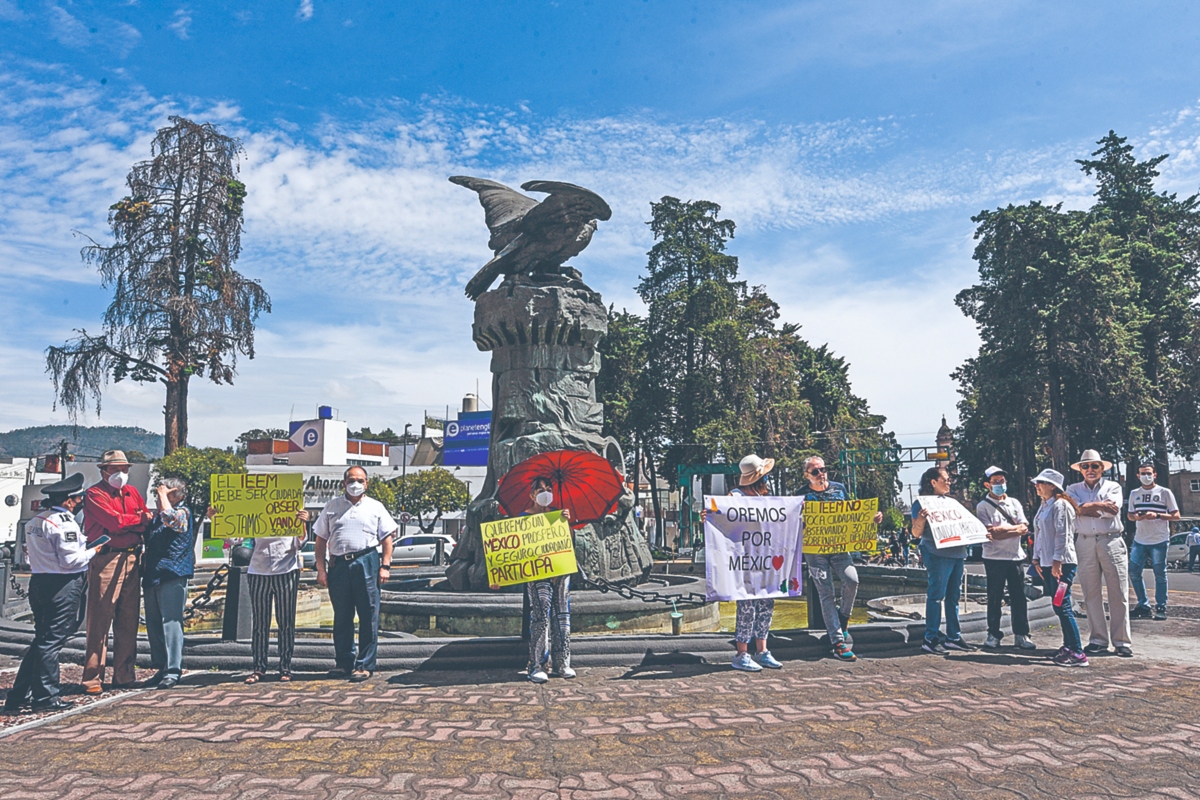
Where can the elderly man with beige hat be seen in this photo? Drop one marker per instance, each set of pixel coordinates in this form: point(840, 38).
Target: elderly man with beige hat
point(115, 509)
point(1103, 557)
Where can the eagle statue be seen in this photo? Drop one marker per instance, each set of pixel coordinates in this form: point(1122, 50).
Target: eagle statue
point(532, 238)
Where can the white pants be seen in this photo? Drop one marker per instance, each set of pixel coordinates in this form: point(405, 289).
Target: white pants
point(1104, 557)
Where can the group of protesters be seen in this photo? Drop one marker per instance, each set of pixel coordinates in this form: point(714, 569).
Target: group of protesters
point(1077, 536)
point(126, 553)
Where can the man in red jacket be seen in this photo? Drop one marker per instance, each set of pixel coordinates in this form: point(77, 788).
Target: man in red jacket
point(112, 507)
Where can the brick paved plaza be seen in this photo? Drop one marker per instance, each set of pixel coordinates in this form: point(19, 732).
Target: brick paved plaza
point(974, 725)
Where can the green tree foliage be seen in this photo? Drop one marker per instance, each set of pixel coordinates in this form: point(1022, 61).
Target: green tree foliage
point(386, 435)
point(196, 467)
point(1089, 327)
point(1158, 235)
point(711, 371)
point(429, 494)
point(179, 307)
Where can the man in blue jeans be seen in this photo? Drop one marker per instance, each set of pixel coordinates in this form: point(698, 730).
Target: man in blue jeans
point(1153, 508)
point(350, 528)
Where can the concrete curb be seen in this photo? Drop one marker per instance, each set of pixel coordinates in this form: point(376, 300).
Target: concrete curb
point(876, 640)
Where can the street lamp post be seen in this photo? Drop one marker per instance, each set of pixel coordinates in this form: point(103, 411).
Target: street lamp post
point(403, 484)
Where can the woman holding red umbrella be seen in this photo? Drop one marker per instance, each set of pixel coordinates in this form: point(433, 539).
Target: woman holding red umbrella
point(549, 605)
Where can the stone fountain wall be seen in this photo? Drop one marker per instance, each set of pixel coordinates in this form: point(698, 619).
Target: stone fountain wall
point(543, 334)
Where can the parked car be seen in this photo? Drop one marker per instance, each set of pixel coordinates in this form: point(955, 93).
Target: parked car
point(422, 549)
point(308, 555)
point(1178, 549)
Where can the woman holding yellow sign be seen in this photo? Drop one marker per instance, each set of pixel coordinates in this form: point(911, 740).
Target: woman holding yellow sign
point(549, 599)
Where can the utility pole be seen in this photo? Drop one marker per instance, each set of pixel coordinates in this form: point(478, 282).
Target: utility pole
point(403, 483)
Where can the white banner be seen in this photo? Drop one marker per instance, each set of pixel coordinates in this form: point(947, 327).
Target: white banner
point(950, 523)
point(752, 547)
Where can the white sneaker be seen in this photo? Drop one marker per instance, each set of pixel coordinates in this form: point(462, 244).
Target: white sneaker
point(538, 676)
point(745, 663)
point(992, 642)
point(1025, 642)
point(565, 672)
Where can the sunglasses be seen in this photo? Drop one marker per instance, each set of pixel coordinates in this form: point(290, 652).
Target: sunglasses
point(1091, 466)
point(817, 471)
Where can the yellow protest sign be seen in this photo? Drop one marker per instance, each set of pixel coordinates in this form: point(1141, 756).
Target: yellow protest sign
point(840, 526)
point(524, 549)
point(246, 506)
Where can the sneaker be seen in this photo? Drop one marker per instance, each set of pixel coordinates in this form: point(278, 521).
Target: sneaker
point(565, 672)
point(1095, 649)
point(959, 644)
point(1160, 613)
point(1071, 659)
point(1024, 642)
point(765, 659)
point(935, 648)
point(745, 663)
point(992, 642)
point(538, 676)
point(843, 652)
point(1124, 651)
point(1140, 612)
point(847, 638)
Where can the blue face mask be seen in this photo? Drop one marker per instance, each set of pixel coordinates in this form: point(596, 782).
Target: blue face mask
point(999, 489)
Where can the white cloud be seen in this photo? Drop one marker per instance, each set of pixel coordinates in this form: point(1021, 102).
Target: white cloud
point(305, 11)
point(365, 246)
point(181, 22)
point(66, 29)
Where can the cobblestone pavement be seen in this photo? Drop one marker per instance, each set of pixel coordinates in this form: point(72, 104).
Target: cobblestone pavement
point(973, 725)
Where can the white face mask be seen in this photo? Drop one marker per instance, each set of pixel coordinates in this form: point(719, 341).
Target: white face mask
point(1146, 479)
point(118, 480)
point(544, 498)
point(355, 488)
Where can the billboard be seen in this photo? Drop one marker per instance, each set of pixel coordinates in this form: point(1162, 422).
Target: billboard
point(466, 439)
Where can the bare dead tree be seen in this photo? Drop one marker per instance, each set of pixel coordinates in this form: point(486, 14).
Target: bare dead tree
point(179, 308)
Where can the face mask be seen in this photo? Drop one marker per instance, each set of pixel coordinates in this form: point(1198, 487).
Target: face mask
point(355, 488)
point(118, 480)
point(999, 489)
point(1146, 479)
point(544, 498)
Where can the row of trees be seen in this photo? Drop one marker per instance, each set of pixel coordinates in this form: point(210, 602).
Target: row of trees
point(711, 373)
point(1091, 335)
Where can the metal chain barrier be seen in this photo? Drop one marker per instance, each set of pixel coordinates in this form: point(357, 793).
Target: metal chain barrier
point(205, 599)
point(646, 595)
point(16, 587)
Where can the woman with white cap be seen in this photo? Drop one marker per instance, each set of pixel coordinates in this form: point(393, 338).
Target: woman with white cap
point(754, 616)
point(1054, 557)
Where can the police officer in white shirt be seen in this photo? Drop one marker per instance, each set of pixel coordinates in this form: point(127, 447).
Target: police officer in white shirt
point(58, 556)
point(351, 528)
point(1103, 558)
point(1153, 508)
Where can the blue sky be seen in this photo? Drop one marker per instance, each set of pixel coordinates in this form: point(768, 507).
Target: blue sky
point(851, 142)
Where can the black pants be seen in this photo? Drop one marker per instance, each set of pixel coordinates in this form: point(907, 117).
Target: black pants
point(54, 600)
point(1193, 556)
point(999, 575)
point(280, 591)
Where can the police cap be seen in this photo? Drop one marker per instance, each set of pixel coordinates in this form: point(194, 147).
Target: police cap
point(68, 487)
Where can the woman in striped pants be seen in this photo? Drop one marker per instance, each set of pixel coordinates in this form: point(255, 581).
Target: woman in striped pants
point(274, 576)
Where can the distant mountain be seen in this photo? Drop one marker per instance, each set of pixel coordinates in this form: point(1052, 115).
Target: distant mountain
point(84, 442)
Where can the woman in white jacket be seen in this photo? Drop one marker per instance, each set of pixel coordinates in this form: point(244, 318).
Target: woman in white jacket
point(1054, 557)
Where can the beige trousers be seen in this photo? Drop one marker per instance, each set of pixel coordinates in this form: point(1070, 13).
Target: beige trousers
point(1104, 561)
point(114, 597)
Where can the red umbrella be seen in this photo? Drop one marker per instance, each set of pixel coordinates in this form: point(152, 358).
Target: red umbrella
point(582, 481)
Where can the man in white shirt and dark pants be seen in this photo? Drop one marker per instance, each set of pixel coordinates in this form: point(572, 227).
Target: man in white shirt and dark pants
point(1003, 557)
point(350, 529)
point(1153, 508)
point(59, 557)
point(1103, 557)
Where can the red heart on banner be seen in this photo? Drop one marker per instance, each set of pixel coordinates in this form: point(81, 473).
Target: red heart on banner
point(777, 562)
